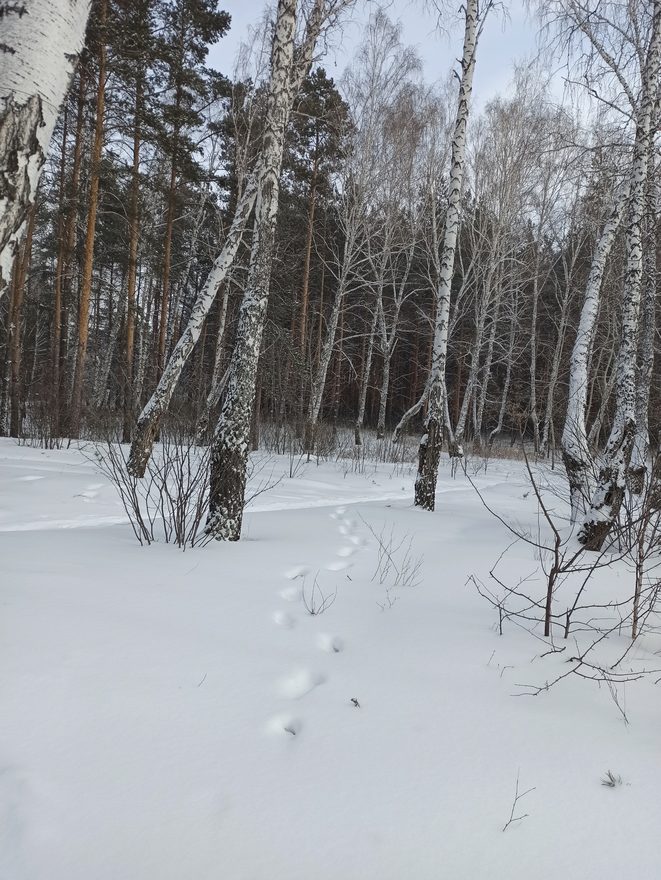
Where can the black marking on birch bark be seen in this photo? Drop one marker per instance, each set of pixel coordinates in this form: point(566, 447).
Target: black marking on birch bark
point(230, 448)
point(19, 123)
point(612, 478)
point(12, 9)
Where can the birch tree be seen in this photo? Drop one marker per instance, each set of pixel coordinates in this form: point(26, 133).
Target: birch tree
point(430, 444)
point(641, 444)
point(576, 453)
point(230, 447)
point(40, 42)
point(373, 85)
point(611, 483)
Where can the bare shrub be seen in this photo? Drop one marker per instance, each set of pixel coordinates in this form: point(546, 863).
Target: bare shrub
point(611, 780)
point(518, 796)
point(572, 599)
point(315, 601)
point(170, 502)
point(397, 566)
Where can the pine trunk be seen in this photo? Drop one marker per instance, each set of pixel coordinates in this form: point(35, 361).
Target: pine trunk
point(16, 322)
point(88, 258)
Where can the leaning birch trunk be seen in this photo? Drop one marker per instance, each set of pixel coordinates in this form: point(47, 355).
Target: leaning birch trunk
point(321, 373)
point(608, 496)
point(430, 444)
point(575, 447)
point(641, 444)
point(150, 417)
point(473, 371)
point(231, 442)
point(40, 46)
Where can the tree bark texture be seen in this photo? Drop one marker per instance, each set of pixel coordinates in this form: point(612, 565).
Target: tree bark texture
point(430, 445)
point(611, 484)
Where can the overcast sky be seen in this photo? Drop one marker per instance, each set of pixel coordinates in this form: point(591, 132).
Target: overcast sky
point(506, 39)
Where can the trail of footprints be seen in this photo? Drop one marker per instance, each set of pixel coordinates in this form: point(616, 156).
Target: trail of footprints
point(298, 683)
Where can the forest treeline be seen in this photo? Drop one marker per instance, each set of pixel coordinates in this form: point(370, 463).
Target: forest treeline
point(158, 162)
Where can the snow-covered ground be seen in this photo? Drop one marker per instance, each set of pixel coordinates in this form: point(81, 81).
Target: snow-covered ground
point(182, 715)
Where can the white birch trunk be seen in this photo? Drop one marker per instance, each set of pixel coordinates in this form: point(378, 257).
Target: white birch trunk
point(482, 307)
point(641, 444)
point(575, 447)
point(532, 406)
point(321, 373)
point(509, 358)
point(608, 496)
point(354, 232)
point(364, 383)
point(40, 41)
point(389, 339)
point(488, 363)
point(229, 455)
point(547, 429)
point(150, 417)
point(430, 443)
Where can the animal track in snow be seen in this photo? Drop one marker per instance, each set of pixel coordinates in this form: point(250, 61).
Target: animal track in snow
point(285, 724)
point(297, 571)
point(346, 551)
point(338, 565)
point(356, 540)
point(299, 683)
point(290, 594)
point(330, 644)
point(286, 621)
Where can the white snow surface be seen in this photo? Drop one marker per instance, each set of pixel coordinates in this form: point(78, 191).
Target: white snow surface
point(180, 715)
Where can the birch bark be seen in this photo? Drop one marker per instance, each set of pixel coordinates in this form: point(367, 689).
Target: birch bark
point(430, 444)
point(641, 444)
point(150, 418)
point(39, 46)
point(608, 496)
point(576, 453)
point(230, 447)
